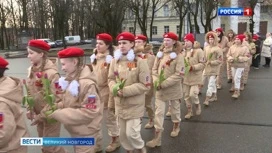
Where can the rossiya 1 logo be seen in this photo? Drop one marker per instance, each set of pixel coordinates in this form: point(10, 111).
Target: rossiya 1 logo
point(231, 11)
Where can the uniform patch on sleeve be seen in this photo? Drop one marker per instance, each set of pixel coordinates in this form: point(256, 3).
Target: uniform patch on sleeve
point(147, 81)
point(91, 102)
point(182, 71)
point(1, 120)
point(220, 58)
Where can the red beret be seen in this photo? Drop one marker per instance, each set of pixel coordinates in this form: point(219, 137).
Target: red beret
point(40, 44)
point(210, 35)
point(104, 37)
point(3, 63)
point(241, 37)
point(71, 52)
point(126, 36)
point(219, 30)
point(256, 37)
point(141, 37)
point(190, 37)
point(170, 35)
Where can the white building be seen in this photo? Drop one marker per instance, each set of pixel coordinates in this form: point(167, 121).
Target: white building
point(166, 19)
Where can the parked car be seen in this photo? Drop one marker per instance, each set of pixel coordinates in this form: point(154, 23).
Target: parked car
point(59, 43)
point(89, 41)
point(49, 42)
point(73, 40)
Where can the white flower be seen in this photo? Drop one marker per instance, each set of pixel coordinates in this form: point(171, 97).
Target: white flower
point(117, 54)
point(160, 54)
point(130, 55)
point(173, 55)
point(73, 88)
point(108, 59)
point(93, 57)
point(63, 83)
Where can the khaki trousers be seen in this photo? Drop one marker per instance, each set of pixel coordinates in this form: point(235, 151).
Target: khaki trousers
point(160, 112)
point(45, 129)
point(229, 71)
point(246, 71)
point(130, 134)
point(191, 94)
point(111, 123)
point(148, 104)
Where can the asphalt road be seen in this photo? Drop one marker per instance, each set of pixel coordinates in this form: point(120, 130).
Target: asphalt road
point(226, 126)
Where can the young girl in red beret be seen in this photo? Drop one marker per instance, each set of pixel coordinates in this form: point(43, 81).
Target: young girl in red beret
point(213, 57)
point(170, 63)
point(100, 60)
point(80, 110)
point(129, 80)
point(12, 121)
point(195, 60)
point(238, 56)
point(41, 66)
point(144, 51)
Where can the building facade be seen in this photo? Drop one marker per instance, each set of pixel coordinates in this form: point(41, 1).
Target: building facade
point(167, 19)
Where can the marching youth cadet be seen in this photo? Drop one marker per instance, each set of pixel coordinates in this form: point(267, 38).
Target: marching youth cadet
point(214, 56)
point(238, 56)
point(231, 38)
point(169, 65)
point(129, 80)
point(80, 110)
point(12, 122)
point(144, 50)
point(223, 44)
point(101, 62)
point(195, 61)
point(41, 65)
point(248, 42)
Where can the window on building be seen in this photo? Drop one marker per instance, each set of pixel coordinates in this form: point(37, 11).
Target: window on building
point(166, 29)
point(166, 10)
point(131, 29)
point(178, 28)
point(223, 26)
point(154, 30)
point(264, 8)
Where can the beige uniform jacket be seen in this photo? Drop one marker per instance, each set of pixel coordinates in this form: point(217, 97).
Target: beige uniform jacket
point(36, 91)
point(213, 57)
point(101, 69)
point(13, 126)
point(77, 120)
point(196, 59)
point(238, 55)
point(173, 71)
point(131, 104)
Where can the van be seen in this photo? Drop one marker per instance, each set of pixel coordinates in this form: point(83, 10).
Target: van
point(72, 40)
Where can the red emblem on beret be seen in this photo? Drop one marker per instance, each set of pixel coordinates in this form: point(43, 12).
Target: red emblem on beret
point(170, 35)
point(3, 63)
point(141, 37)
point(126, 36)
point(71, 52)
point(104, 37)
point(190, 37)
point(40, 44)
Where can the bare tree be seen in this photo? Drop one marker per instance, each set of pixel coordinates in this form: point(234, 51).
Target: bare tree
point(140, 10)
point(156, 5)
point(108, 16)
point(194, 10)
point(181, 6)
point(3, 29)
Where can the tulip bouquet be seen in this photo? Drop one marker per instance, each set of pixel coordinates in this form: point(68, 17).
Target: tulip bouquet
point(159, 81)
point(119, 85)
point(28, 99)
point(187, 65)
